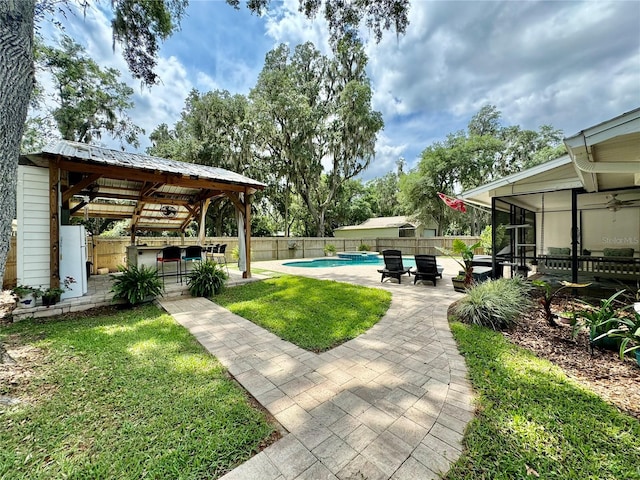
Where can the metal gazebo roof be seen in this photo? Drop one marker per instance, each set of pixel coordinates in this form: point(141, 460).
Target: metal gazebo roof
point(155, 193)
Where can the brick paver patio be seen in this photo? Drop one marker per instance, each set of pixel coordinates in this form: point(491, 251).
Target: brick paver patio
point(390, 404)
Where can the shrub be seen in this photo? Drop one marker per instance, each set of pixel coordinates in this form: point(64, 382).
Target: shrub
point(496, 304)
point(364, 247)
point(136, 284)
point(329, 249)
point(206, 279)
point(627, 330)
point(599, 320)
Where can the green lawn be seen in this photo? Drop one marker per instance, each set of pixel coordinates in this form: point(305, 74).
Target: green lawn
point(126, 395)
point(533, 422)
point(314, 314)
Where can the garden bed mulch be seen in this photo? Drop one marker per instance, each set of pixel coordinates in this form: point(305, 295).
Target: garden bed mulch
point(616, 381)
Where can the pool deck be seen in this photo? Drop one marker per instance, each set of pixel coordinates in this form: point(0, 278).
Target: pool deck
point(392, 403)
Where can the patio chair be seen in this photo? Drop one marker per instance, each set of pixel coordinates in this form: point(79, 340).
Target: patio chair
point(170, 255)
point(393, 267)
point(220, 257)
point(426, 269)
point(192, 254)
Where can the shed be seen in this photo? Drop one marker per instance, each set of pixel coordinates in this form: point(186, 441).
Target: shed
point(386, 227)
point(69, 179)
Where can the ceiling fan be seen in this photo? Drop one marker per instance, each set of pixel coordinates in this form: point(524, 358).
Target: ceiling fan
point(168, 211)
point(614, 203)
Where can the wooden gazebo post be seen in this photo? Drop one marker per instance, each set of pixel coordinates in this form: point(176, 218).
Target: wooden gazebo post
point(54, 224)
point(204, 206)
point(247, 234)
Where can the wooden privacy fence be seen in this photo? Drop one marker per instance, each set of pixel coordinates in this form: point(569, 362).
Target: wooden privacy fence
point(112, 252)
point(11, 267)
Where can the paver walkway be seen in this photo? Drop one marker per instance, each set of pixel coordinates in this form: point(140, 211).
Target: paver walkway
point(390, 404)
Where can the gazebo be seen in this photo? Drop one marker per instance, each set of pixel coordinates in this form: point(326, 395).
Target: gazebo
point(69, 179)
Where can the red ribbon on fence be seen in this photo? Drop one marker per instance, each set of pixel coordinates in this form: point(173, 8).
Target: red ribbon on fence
point(454, 203)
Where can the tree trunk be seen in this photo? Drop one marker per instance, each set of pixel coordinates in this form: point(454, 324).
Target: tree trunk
point(16, 83)
point(320, 232)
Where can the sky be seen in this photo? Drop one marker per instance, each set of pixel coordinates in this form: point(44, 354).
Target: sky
point(570, 65)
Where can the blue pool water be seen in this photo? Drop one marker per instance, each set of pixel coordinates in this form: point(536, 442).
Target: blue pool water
point(342, 262)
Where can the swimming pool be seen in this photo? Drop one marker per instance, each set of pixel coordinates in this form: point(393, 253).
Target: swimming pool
point(342, 262)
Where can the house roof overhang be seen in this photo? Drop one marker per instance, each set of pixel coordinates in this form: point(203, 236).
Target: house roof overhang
point(155, 193)
point(555, 175)
point(607, 155)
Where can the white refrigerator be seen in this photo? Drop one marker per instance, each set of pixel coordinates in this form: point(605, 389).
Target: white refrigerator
point(73, 259)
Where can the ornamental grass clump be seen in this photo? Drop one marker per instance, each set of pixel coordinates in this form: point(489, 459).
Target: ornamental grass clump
point(206, 279)
point(495, 304)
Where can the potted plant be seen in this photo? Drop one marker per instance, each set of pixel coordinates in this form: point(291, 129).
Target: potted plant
point(461, 249)
point(206, 279)
point(136, 285)
point(459, 284)
point(27, 296)
point(364, 247)
point(235, 254)
point(293, 246)
point(548, 294)
point(627, 331)
point(329, 250)
point(51, 296)
point(599, 321)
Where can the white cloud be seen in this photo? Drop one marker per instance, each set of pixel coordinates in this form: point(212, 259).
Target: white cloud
point(568, 64)
point(387, 154)
point(285, 24)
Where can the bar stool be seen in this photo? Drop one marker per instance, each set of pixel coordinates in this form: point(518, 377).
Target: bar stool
point(192, 254)
point(211, 249)
point(170, 255)
point(220, 257)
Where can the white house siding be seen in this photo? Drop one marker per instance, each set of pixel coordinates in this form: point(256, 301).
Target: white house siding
point(391, 232)
point(367, 233)
point(33, 226)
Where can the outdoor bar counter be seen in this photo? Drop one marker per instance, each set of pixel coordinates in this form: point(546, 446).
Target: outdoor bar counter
point(146, 255)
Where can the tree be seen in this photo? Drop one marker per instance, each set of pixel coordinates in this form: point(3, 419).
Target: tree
point(344, 18)
point(313, 117)
point(214, 130)
point(486, 151)
point(90, 100)
point(351, 207)
point(138, 25)
point(16, 83)
point(383, 195)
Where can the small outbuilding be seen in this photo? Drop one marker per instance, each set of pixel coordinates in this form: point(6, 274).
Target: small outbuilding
point(386, 227)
